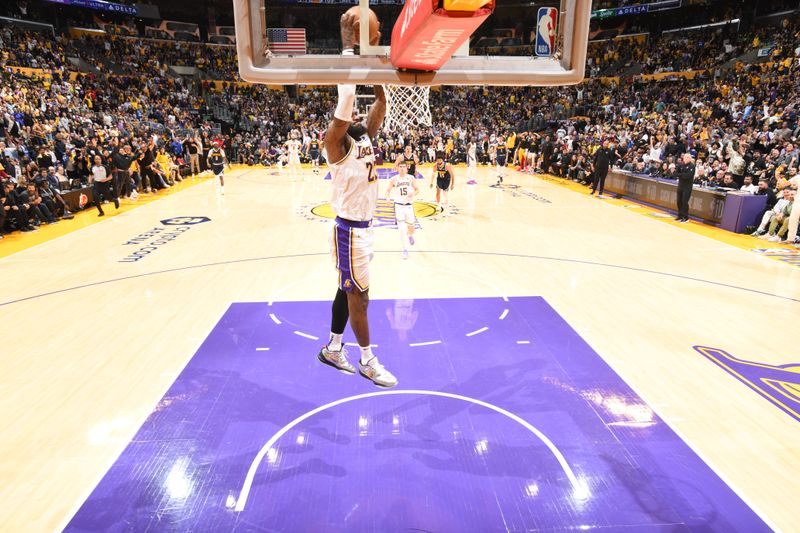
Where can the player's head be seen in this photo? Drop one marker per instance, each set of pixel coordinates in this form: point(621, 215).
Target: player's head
point(407, 150)
point(402, 168)
point(439, 159)
point(356, 130)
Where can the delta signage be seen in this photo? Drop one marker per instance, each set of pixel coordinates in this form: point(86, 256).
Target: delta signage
point(636, 9)
point(99, 5)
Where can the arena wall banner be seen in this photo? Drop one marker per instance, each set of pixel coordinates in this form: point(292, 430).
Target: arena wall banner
point(99, 5)
point(636, 9)
point(687, 74)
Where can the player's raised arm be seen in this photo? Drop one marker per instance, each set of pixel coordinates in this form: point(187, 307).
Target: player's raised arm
point(336, 142)
point(377, 112)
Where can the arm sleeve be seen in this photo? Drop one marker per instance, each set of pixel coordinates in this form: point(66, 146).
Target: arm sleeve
point(347, 98)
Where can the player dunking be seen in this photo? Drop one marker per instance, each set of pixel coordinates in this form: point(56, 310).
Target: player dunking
point(350, 157)
point(406, 189)
point(445, 182)
point(216, 161)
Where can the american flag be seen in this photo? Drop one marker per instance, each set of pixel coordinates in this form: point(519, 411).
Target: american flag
point(287, 40)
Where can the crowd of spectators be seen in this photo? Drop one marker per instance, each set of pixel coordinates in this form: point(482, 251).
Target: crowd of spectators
point(649, 54)
point(740, 124)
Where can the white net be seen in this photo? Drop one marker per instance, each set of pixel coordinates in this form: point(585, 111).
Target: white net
point(407, 107)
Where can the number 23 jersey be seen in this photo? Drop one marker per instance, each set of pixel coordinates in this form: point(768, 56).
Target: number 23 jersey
point(355, 181)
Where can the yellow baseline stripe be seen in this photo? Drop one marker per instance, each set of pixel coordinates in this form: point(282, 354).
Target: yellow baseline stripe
point(18, 241)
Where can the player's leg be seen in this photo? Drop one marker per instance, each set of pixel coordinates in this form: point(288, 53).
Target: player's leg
point(333, 353)
point(221, 176)
point(358, 302)
point(411, 221)
point(368, 364)
point(400, 220)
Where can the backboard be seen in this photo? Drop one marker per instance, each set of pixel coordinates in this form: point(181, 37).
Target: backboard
point(495, 55)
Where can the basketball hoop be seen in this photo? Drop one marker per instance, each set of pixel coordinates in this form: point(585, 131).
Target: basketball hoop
point(407, 106)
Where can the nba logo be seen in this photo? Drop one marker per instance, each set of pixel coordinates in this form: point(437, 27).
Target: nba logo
point(546, 31)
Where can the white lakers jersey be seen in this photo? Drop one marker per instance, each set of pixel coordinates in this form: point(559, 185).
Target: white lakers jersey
point(294, 146)
point(403, 189)
point(355, 181)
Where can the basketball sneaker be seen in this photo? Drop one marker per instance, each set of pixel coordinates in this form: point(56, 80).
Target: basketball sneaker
point(375, 372)
point(405, 254)
point(411, 240)
point(337, 360)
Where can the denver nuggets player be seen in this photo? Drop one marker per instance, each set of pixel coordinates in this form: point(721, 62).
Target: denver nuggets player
point(351, 160)
point(313, 153)
point(216, 161)
point(444, 177)
point(406, 187)
point(501, 156)
point(411, 160)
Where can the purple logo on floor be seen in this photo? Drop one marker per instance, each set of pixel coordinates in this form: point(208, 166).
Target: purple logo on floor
point(778, 384)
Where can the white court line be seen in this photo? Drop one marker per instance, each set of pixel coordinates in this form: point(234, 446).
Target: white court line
point(274, 318)
point(670, 423)
point(471, 333)
point(580, 490)
point(429, 343)
point(523, 342)
point(504, 314)
point(505, 298)
point(262, 349)
point(306, 335)
point(123, 442)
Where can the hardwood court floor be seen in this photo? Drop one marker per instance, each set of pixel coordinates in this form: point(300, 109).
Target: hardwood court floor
point(99, 323)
